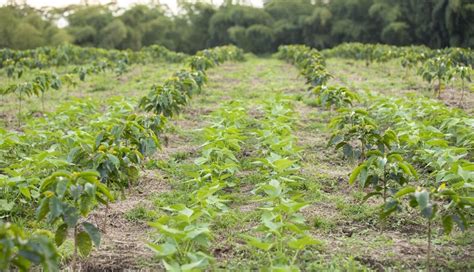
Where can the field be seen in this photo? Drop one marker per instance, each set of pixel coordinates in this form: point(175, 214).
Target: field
point(244, 177)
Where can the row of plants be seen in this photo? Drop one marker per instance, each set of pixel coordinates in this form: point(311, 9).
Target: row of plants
point(67, 54)
point(42, 81)
point(41, 84)
point(408, 54)
point(437, 67)
point(412, 153)
point(282, 233)
point(67, 163)
point(185, 230)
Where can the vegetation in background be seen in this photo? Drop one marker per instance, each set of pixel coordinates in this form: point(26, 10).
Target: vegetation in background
point(320, 24)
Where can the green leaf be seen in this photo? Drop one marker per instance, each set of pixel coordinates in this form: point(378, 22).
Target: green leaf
point(282, 164)
point(195, 232)
point(61, 187)
point(163, 250)
point(6, 206)
point(369, 195)
point(168, 231)
point(268, 221)
point(61, 234)
point(172, 267)
point(422, 198)
point(404, 191)
point(257, 243)
point(355, 173)
point(84, 243)
point(89, 173)
point(408, 169)
point(196, 264)
point(70, 216)
point(302, 242)
point(25, 192)
point(105, 191)
point(55, 209)
point(93, 232)
point(447, 224)
point(42, 209)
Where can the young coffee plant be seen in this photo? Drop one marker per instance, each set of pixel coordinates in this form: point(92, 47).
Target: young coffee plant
point(282, 226)
point(68, 198)
point(437, 69)
point(184, 233)
point(20, 251)
point(354, 126)
point(385, 173)
point(184, 238)
point(450, 204)
point(464, 72)
point(334, 97)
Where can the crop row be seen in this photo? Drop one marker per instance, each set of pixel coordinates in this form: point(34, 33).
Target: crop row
point(66, 164)
point(438, 66)
point(282, 232)
point(66, 54)
point(87, 61)
point(185, 232)
point(412, 154)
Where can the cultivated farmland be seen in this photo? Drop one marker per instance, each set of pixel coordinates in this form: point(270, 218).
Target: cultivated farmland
point(237, 138)
point(353, 158)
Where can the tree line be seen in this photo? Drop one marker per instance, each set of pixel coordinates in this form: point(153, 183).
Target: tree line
point(316, 23)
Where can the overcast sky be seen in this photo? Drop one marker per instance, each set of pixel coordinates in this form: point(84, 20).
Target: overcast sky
point(122, 3)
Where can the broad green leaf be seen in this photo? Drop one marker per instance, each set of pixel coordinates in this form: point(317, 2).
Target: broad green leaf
point(6, 206)
point(71, 216)
point(61, 234)
point(55, 209)
point(163, 250)
point(25, 191)
point(283, 164)
point(114, 160)
point(422, 198)
point(447, 224)
point(355, 173)
point(93, 232)
point(302, 242)
point(42, 209)
point(61, 187)
point(172, 267)
point(371, 194)
point(407, 169)
point(84, 243)
point(404, 191)
point(257, 243)
point(196, 264)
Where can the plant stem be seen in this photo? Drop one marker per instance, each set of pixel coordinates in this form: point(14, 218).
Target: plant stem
point(462, 93)
point(74, 258)
point(294, 257)
point(19, 111)
point(439, 88)
point(384, 192)
point(428, 255)
point(42, 101)
point(270, 259)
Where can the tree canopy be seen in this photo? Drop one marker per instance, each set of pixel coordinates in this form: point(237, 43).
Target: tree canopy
point(317, 23)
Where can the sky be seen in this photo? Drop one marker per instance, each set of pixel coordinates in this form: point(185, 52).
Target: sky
point(122, 3)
